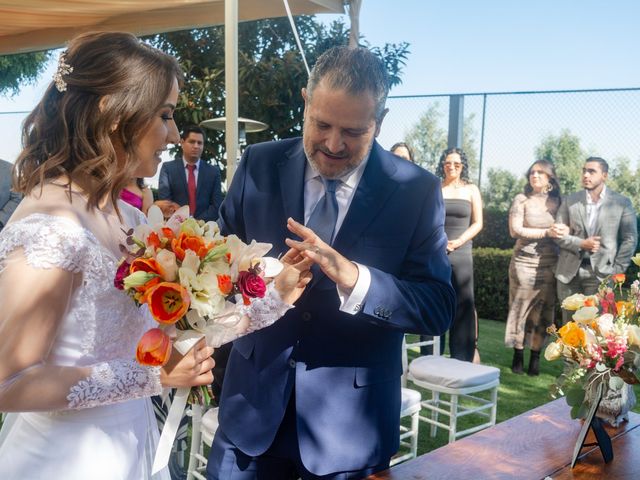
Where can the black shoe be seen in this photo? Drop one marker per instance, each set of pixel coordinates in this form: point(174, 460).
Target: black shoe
point(517, 366)
point(534, 364)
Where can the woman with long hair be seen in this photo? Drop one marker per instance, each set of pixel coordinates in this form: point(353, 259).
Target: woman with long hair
point(463, 221)
point(80, 401)
point(532, 291)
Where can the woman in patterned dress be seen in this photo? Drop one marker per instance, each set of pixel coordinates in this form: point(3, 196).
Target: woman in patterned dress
point(532, 291)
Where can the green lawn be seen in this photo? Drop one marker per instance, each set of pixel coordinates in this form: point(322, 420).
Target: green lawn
point(517, 393)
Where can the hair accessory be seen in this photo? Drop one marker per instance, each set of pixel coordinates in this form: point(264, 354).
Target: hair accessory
point(63, 69)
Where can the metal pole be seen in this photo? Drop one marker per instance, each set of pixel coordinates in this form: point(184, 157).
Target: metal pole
point(484, 115)
point(231, 84)
point(456, 120)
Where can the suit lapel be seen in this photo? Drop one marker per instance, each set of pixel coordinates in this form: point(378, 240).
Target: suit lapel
point(372, 193)
point(581, 210)
point(291, 175)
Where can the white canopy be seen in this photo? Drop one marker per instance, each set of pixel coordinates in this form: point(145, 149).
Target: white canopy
point(31, 25)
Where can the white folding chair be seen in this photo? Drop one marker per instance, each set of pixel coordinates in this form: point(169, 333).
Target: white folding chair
point(203, 427)
point(460, 381)
point(409, 407)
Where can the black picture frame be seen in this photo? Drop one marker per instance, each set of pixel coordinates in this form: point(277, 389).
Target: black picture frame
point(603, 441)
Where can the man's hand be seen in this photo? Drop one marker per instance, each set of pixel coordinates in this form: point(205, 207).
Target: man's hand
point(338, 268)
point(294, 277)
point(167, 206)
point(591, 244)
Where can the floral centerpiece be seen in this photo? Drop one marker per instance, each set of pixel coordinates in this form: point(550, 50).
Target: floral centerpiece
point(601, 345)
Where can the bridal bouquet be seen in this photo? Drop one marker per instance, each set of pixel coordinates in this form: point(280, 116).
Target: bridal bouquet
point(601, 345)
point(191, 278)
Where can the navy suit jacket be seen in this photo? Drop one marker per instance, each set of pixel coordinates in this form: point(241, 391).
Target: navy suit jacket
point(345, 368)
point(172, 185)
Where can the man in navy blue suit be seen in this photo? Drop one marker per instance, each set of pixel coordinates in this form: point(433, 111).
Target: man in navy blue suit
point(317, 394)
point(189, 180)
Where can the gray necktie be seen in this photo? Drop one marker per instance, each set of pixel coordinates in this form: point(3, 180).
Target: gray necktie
point(324, 215)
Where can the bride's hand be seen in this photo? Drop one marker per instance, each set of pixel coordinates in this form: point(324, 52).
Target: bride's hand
point(190, 370)
point(294, 277)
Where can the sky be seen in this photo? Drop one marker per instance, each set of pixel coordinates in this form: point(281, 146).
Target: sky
point(471, 46)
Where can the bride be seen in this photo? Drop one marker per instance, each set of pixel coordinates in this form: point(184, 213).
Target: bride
point(67, 336)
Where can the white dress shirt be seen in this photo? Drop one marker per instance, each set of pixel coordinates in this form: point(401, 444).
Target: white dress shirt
point(345, 190)
point(593, 209)
point(195, 170)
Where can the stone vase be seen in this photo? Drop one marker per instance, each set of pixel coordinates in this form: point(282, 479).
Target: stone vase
point(616, 404)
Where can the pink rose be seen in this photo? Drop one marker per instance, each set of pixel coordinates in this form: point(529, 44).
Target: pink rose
point(251, 285)
point(123, 271)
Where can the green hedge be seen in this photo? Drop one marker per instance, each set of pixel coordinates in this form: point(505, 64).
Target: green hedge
point(495, 230)
point(491, 282)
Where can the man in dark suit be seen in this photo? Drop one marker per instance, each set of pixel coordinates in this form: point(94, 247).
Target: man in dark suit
point(191, 181)
point(317, 394)
point(602, 234)
point(9, 199)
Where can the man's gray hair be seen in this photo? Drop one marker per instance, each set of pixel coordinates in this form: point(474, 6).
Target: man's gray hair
point(356, 70)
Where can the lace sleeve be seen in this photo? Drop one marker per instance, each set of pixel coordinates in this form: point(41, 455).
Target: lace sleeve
point(44, 261)
point(263, 312)
point(238, 319)
point(115, 381)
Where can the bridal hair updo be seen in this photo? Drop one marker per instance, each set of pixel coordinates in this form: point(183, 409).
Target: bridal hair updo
point(106, 91)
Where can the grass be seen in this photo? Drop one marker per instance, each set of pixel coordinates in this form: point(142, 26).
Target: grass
point(516, 394)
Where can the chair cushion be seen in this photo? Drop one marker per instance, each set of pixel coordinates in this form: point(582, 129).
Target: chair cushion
point(409, 397)
point(451, 373)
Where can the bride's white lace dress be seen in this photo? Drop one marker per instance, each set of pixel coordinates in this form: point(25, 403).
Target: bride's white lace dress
point(108, 429)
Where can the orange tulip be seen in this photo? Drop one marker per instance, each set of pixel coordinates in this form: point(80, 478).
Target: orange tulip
point(168, 302)
point(589, 302)
point(153, 240)
point(186, 242)
point(154, 348)
point(149, 265)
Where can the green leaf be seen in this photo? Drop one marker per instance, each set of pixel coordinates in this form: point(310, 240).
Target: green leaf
point(575, 411)
point(575, 395)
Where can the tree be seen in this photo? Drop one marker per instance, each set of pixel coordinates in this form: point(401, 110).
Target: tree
point(18, 69)
point(501, 188)
point(428, 139)
point(568, 157)
point(271, 73)
point(626, 181)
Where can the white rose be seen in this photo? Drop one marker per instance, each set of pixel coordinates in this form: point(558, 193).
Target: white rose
point(553, 351)
point(573, 302)
point(605, 324)
point(585, 314)
point(633, 334)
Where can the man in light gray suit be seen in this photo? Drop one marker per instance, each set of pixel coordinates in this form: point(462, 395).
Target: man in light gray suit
point(602, 234)
point(9, 200)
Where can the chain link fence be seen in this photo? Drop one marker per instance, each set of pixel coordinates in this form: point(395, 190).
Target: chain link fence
point(503, 130)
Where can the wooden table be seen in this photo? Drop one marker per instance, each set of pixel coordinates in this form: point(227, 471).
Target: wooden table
point(533, 445)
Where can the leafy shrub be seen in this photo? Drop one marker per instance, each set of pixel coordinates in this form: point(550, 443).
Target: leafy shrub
point(491, 282)
point(495, 230)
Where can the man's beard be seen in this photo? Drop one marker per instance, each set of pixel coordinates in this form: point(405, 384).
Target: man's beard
point(349, 166)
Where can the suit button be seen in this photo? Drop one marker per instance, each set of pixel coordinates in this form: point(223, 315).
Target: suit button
point(306, 316)
point(292, 363)
point(376, 311)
